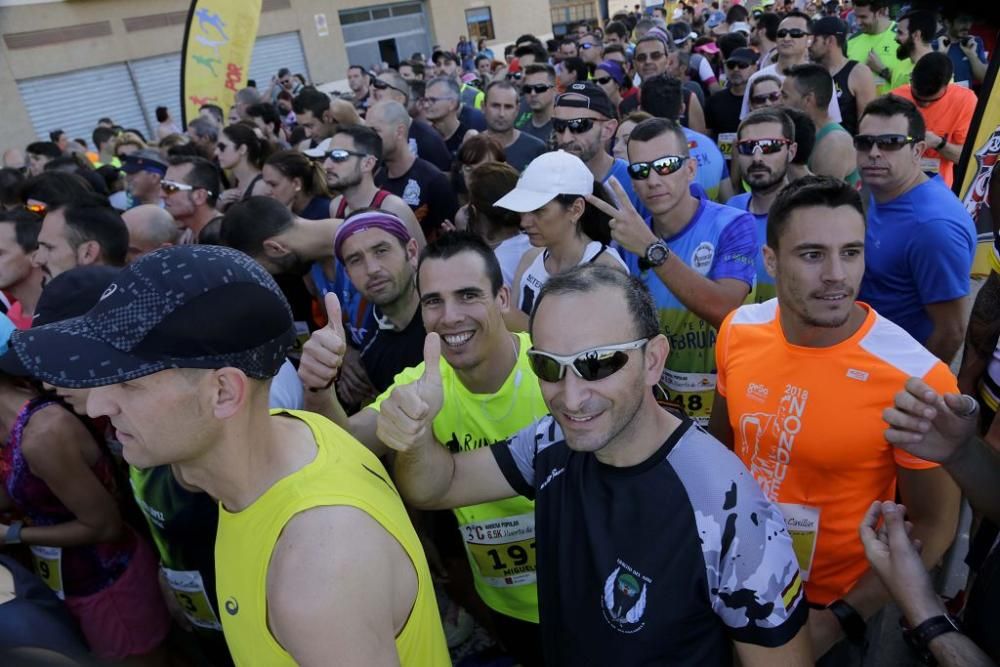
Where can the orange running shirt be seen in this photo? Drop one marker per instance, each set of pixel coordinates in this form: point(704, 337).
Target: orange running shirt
point(948, 116)
point(807, 422)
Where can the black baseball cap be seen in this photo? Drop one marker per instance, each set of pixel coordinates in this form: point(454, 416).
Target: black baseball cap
point(72, 293)
point(681, 32)
point(144, 160)
point(743, 55)
point(828, 25)
point(586, 95)
point(188, 306)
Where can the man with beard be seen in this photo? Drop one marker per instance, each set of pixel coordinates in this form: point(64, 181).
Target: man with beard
point(968, 56)
point(875, 45)
point(853, 81)
point(583, 123)
point(790, 369)
point(809, 88)
point(765, 146)
point(607, 461)
point(914, 33)
point(500, 109)
point(84, 232)
point(380, 257)
point(920, 239)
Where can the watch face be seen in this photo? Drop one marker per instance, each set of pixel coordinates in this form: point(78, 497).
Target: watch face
point(656, 254)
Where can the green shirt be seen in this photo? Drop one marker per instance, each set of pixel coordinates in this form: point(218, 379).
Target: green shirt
point(884, 45)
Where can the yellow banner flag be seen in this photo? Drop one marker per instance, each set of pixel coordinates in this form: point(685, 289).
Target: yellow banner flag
point(215, 60)
point(975, 168)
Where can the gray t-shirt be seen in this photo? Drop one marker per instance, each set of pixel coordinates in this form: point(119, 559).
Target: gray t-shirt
point(524, 149)
point(543, 133)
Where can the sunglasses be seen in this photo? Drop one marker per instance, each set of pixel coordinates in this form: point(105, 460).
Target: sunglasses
point(885, 142)
point(737, 64)
point(537, 89)
point(170, 187)
point(587, 45)
point(794, 33)
point(575, 125)
point(516, 76)
point(590, 365)
point(603, 80)
point(766, 146)
point(664, 166)
point(38, 208)
point(339, 155)
point(767, 97)
point(654, 56)
point(379, 84)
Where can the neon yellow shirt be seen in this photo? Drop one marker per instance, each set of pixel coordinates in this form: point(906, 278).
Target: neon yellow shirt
point(344, 472)
point(884, 45)
point(500, 536)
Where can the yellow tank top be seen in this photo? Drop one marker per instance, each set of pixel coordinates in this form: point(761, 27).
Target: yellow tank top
point(344, 472)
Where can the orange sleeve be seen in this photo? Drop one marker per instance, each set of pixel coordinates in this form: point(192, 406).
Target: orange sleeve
point(964, 111)
point(942, 381)
point(721, 345)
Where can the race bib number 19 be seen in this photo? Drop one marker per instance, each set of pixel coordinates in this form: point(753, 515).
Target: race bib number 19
point(503, 549)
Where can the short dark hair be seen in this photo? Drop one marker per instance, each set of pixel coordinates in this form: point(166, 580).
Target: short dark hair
point(805, 134)
point(534, 49)
point(10, 186)
point(101, 135)
point(814, 79)
point(577, 66)
point(891, 105)
point(55, 134)
point(55, 188)
point(875, 5)
point(662, 95)
point(736, 14)
point(769, 115)
point(216, 112)
point(770, 22)
point(616, 28)
point(357, 67)
point(805, 192)
point(92, 219)
point(366, 140)
point(540, 68)
point(730, 42)
point(499, 83)
point(590, 277)
point(448, 245)
point(921, 21)
point(266, 112)
point(796, 14)
point(162, 114)
point(527, 37)
point(931, 73)
point(446, 55)
point(248, 223)
point(652, 128)
point(312, 100)
point(417, 67)
point(26, 227)
point(47, 148)
point(203, 174)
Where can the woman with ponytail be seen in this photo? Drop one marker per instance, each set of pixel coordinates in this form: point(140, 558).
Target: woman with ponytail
point(298, 183)
point(241, 153)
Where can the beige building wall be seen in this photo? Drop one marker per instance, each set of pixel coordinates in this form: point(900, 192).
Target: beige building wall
point(33, 38)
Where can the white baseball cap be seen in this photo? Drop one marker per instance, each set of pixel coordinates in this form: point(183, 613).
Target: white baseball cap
point(322, 148)
point(548, 175)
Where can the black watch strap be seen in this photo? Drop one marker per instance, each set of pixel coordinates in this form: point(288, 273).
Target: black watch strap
point(931, 628)
point(850, 621)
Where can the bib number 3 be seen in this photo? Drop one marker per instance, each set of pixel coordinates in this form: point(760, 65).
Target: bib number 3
point(189, 591)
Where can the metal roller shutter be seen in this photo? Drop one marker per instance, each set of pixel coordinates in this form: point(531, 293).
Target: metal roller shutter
point(73, 101)
point(273, 52)
point(159, 83)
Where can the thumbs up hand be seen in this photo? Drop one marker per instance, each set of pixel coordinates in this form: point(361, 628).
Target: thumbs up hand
point(323, 353)
point(406, 417)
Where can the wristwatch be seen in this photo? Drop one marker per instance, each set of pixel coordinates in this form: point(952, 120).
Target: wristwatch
point(850, 620)
point(657, 253)
point(942, 144)
point(920, 636)
point(13, 535)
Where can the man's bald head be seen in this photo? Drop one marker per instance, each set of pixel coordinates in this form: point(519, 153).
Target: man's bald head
point(13, 158)
point(149, 228)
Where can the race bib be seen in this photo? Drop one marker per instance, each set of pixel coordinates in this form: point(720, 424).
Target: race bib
point(48, 566)
point(726, 141)
point(503, 549)
point(189, 591)
point(692, 393)
point(930, 165)
point(802, 523)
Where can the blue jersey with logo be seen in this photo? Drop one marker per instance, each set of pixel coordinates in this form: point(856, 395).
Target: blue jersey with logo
point(719, 242)
point(712, 166)
point(763, 289)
